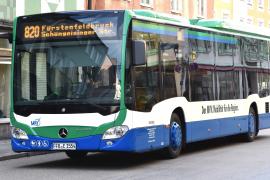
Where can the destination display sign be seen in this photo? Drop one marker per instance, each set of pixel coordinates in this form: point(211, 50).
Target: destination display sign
point(103, 27)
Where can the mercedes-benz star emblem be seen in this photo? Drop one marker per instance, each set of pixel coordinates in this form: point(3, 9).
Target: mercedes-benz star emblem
point(63, 132)
point(63, 110)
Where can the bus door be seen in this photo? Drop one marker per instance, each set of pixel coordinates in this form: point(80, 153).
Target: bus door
point(174, 74)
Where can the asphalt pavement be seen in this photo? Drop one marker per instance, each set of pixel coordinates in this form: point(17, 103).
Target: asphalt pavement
point(224, 158)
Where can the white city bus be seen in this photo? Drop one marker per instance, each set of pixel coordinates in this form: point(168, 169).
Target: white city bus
point(134, 81)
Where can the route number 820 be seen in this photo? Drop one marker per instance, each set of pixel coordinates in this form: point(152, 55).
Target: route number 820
point(31, 32)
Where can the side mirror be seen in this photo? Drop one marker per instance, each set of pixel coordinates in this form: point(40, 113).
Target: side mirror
point(10, 37)
point(138, 52)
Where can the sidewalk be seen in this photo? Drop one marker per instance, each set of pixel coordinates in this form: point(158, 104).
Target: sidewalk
point(4, 129)
point(6, 152)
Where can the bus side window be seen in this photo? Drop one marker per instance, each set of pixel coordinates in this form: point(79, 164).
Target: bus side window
point(201, 65)
point(263, 74)
point(252, 64)
point(224, 66)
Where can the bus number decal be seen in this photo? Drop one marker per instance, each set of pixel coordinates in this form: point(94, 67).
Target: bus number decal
point(31, 32)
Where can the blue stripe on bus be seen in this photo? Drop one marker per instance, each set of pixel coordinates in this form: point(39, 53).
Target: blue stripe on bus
point(208, 129)
point(209, 38)
point(264, 121)
point(174, 33)
point(156, 31)
point(148, 138)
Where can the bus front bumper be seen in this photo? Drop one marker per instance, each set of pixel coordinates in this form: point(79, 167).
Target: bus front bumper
point(135, 140)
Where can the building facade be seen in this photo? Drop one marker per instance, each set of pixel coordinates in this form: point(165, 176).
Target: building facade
point(186, 8)
point(258, 13)
point(176, 7)
point(26, 7)
point(223, 9)
point(202, 9)
point(252, 12)
point(7, 13)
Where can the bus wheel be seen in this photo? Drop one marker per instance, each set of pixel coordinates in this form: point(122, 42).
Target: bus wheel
point(76, 154)
point(175, 137)
point(251, 134)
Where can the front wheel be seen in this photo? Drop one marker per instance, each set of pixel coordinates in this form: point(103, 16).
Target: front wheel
point(175, 137)
point(76, 155)
point(251, 134)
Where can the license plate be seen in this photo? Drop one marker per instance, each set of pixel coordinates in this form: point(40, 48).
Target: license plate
point(64, 146)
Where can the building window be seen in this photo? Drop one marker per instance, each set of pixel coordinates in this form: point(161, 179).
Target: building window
point(8, 9)
point(201, 8)
point(249, 20)
point(250, 3)
point(260, 4)
point(242, 19)
point(260, 22)
point(148, 3)
point(177, 6)
point(226, 15)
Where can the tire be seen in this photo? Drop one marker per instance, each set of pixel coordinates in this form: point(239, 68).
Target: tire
point(252, 124)
point(76, 155)
point(175, 138)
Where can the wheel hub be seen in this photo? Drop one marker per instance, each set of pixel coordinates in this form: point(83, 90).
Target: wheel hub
point(176, 135)
point(251, 124)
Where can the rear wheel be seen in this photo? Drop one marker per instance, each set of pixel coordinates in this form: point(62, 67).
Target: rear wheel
point(76, 154)
point(251, 134)
point(175, 137)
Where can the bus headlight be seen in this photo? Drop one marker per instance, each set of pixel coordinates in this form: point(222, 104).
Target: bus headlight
point(18, 133)
point(115, 132)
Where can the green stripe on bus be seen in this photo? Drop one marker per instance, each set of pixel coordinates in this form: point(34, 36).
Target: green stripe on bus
point(96, 130)
point(203, 34)
point(123, 110)
point(13, 121)
point(154, 26)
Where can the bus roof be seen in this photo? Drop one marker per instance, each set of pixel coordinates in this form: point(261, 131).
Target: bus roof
point(232, 26)
point(223, 26)
point(152, 15)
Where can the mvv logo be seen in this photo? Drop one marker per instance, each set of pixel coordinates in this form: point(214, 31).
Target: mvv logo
point(35, 122)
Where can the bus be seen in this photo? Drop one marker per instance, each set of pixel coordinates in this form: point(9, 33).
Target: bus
point(134, 81)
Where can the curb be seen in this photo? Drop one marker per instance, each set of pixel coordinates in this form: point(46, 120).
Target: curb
point(21, 155)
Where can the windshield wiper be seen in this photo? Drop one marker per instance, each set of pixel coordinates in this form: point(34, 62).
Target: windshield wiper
point(95, 105)
point(71, 101)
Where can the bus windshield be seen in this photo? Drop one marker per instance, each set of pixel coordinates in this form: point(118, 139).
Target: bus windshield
point(68, 64)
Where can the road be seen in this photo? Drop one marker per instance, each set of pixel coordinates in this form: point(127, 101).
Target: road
point(226, 158)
